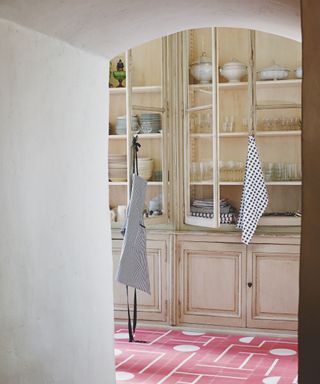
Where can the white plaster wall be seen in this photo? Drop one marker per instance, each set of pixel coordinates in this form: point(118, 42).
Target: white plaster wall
point(56, 317)
point(107, 27)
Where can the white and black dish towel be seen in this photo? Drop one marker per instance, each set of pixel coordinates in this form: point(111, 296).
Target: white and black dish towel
point(133, 266)
point(254, 198)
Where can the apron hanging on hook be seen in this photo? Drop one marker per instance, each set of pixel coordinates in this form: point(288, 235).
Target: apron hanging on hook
point(133, 266)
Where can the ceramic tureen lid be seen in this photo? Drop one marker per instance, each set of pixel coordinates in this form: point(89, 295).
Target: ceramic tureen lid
point(234, 63)
point(203, 59)
point(274, 67)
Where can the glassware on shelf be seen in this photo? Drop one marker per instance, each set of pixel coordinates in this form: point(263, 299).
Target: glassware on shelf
point(284, 123)
point(231, 171)
point(282, 171)
point(195, 174)
point(244, 124)
point(201, 122)
point(146, 127)
point(206, 170)
point(228, 124)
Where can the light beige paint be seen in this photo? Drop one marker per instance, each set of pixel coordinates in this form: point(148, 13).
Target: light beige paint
point(56, 318)
point(109, 27)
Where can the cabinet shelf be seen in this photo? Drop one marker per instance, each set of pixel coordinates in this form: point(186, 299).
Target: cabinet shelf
point(243, 85)
point(245, 134)
point(279, 133)
point(280, 221)
point(142, 136)
point(279, 83)
point(274, 183)
point(155, 183)
point(202, 182)
point(283, 221)
point(118, 183)
point(233, 134)
point(142, 89)
point(266, 105)
point(260, 134)
point(117, 137)
point(201, 135)
point(125, 183)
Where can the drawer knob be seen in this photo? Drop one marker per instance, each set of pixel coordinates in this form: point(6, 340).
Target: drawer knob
point(249, 285)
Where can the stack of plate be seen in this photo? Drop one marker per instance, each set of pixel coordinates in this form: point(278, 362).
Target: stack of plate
point(117, 167)
point(145, 165)
point(150, 122)
point(121, 125)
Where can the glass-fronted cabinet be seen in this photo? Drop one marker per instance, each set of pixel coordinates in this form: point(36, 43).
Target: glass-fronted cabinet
point(139, 107)
point(201, 128)
point(238, 81)
point(278, 82)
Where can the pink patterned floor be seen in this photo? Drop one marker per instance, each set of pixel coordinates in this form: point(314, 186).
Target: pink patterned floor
point(177, 357)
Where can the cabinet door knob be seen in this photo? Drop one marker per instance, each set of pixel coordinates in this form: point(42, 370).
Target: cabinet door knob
point(249, 285)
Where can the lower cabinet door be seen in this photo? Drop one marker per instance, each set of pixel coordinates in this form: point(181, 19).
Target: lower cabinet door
point(150, 307)
point(273, 286)
point(211, 283)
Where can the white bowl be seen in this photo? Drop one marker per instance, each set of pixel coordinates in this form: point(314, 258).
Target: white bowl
point(275, 72)
point(201, 69)
point(233, 71)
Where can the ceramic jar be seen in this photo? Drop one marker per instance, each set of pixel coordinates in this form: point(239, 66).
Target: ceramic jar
point(233, 71)
point(201, 69)
point(274, 72)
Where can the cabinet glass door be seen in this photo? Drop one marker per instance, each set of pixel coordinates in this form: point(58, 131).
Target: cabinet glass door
point(118, 170)
point(139, 107)
point(148, 71)
point(201, 140)
point(233, 104)
point(278, 125)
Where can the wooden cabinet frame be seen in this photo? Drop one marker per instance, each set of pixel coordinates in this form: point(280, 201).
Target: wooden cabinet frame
point(178, 256)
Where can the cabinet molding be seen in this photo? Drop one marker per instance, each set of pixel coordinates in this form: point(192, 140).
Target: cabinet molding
point(211, 283)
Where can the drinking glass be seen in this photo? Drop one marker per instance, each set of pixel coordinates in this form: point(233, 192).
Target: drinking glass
point(146, 127)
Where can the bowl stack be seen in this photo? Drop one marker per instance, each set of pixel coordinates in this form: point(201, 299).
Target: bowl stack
point(121, 125)
point(150, 122)
point(145, 165)
point(118, 168)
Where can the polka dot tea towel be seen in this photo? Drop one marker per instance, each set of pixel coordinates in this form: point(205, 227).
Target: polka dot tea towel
point(254, 198)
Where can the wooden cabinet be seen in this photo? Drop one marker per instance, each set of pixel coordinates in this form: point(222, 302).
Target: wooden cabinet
point(230, 284)
point(219, 115)
point(141, 107)
point(211, 283)
point(199, 155)
point(272, 300)
point(154, 307)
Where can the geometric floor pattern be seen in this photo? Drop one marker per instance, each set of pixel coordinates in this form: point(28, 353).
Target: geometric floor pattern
point(180, 357)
